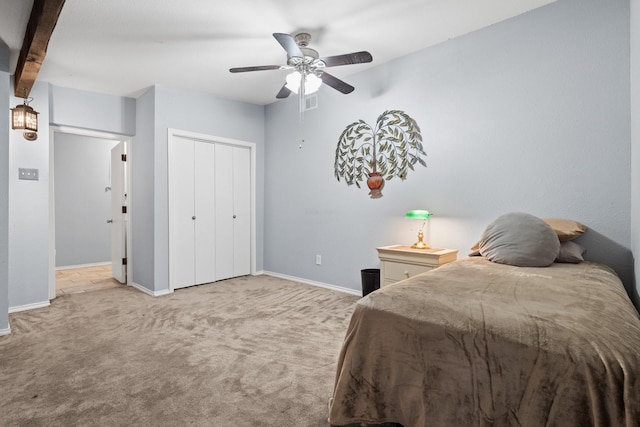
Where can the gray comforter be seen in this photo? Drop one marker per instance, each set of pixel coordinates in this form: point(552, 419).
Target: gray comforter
point(474, 343)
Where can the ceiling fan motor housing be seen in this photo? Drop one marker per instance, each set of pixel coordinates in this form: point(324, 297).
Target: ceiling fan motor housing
point(309, 53)
point(302, 39)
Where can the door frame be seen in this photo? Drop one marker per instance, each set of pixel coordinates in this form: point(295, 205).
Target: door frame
point(53, 129)
point(171, 133)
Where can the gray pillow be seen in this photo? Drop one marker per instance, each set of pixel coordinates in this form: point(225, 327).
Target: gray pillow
point(570, 252)
point(520, 239)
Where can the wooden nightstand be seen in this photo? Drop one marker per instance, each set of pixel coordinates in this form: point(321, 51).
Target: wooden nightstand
point(401, 262)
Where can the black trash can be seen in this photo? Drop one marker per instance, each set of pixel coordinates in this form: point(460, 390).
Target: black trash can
point(370, 280)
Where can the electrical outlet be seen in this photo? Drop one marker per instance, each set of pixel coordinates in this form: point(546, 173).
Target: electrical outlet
point(318, 260)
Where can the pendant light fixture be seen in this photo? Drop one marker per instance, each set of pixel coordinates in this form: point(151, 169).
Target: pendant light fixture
point(24, 117)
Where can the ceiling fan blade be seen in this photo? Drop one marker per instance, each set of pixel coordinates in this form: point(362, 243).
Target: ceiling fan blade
point(289, 44)
point(336, 83)
point(255, 68)
point(348, 58)
point(284, 92)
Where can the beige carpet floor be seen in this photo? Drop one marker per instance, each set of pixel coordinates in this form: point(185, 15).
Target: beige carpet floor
point(250, 351)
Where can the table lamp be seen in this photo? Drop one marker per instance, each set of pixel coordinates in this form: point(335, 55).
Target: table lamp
point(424, 216)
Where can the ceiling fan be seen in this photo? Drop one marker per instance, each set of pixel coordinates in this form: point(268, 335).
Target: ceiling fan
point(309, 69)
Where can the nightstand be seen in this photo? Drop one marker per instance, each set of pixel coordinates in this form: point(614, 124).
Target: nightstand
point(401, 262)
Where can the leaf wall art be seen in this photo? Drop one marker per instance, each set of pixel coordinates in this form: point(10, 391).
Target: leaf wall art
point(392, 148)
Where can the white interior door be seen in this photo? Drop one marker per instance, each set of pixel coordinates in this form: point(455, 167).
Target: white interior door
point(223, 169)
point(241, 211)
point(205, 223)
point(210, 211)
point(182, 213)
point(233, 211)
point(118, 218)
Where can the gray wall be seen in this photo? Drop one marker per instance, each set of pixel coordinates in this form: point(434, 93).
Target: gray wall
point(200, 113)
point(142, 192)
point(4, 188)
point(90, 110)
point(29, 209)
point(30, 223)
point(635, 136)
point(82, 206)
point(530, 114)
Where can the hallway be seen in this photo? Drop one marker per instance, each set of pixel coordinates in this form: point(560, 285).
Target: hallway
point(84, 279)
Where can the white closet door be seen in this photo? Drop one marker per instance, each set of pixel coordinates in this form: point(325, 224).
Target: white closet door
point(205, 196)
point(223, 170)
point(241, 211)
point(182, 265)
point(210, 212)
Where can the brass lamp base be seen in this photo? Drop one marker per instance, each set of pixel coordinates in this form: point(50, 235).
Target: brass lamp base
point(420, 244)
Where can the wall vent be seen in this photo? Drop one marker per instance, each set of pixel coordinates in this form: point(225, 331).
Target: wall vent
point(311, 102)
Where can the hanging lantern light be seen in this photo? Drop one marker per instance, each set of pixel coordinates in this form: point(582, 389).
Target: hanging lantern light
point(23, 117)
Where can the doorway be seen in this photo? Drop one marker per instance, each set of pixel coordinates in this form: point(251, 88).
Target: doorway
point(84, 279)
point(88, 210)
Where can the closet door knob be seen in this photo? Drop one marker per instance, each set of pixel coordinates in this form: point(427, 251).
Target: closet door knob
point(193, 217)
point(234, 217)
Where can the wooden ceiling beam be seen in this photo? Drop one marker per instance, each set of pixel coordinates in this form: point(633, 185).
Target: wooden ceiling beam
point(43, 19)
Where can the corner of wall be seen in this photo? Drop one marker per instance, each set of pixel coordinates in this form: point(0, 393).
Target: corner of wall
point(4, 190)
point(142, 195)
point(634, 17)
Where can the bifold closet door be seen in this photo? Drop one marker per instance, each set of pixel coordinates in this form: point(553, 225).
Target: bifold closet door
point(233, 222)
point(182, 263)
point(209, 212)
point(242, 211)
point(205, 222)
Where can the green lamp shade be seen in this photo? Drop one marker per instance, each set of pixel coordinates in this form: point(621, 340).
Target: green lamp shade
point(418, 214)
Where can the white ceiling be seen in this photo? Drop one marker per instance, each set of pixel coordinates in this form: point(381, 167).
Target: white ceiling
point(122, 47)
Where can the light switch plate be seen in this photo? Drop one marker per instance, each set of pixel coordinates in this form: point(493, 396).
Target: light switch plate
point(29, 174)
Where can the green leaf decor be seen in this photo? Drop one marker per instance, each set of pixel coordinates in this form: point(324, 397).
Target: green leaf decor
point(377, 154)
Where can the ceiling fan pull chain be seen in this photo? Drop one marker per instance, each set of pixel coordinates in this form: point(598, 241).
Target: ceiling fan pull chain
point(301, 95)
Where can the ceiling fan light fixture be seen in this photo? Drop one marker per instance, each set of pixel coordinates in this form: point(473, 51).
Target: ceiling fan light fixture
point(311, 82)
point(293, 81)
point(308, 66)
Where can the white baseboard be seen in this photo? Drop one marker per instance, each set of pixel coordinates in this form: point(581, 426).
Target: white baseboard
point(150, 292)
point(95, 264)
point(313, 283)
point(29, 306)
point(5, 331)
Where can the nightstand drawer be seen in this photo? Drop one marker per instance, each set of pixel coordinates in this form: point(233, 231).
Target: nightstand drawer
point(401, 262)
point(395, 271)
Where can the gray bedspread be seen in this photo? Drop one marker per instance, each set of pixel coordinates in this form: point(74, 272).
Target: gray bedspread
point(474, 343)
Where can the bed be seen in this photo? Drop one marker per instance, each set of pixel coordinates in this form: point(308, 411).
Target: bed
point(480, 343)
